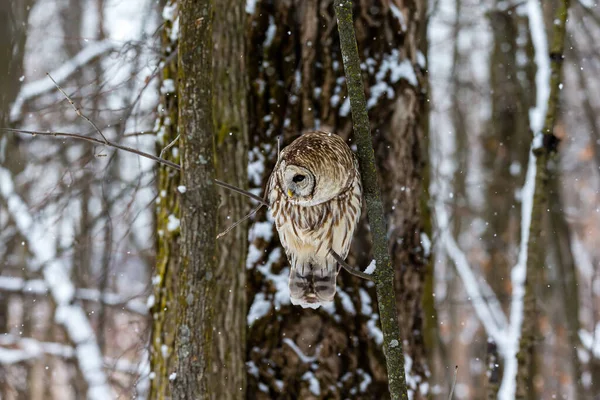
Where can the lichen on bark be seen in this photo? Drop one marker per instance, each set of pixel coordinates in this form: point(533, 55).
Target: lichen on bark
point(196, 277)
point(163, 305)
point(384, 273)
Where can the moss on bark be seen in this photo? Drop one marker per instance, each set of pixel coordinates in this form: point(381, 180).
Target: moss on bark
point(163, 311)
point(384, 273)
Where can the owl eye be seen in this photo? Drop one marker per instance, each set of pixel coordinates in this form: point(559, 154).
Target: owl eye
point(298, 178)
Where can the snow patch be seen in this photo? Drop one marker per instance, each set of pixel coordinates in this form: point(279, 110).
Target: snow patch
point(371, 267)
point(250, 6)
point(313, 383)
point(173, 223)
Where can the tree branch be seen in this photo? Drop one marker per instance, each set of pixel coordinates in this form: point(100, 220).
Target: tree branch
point(348, 268)
point(41, 86)
point(384, 274)
point(38, 287)
point(17, 349)
point(77, 109)
point(134, 151)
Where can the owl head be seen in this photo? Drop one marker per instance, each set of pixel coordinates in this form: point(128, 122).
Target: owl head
point(307, 172)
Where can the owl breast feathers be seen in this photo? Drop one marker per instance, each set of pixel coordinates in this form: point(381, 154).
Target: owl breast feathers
point(315, 197)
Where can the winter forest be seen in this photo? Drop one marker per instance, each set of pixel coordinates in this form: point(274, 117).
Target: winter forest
point(123, 276)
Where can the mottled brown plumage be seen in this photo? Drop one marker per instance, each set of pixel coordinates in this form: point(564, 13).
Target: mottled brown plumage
point(315, 197)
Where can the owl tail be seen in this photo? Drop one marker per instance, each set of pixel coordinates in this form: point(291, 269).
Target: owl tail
point(312, 285)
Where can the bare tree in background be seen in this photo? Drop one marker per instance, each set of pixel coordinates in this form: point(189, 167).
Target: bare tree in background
point(71, 330)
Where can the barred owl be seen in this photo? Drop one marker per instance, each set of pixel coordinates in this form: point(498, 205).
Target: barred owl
point(314, 193)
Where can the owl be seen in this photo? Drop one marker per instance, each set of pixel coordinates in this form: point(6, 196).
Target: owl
point(315, 197)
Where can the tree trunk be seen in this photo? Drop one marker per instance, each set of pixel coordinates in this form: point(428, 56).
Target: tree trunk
point(543, 153)
point(296, 84)
point(506, 144)
point(197, 262)
point(218, 309)
point(228, 373)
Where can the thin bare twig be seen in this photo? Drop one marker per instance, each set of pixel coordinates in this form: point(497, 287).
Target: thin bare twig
point(134, 151)
point(77, 110)
point(348, 268)
point(168, 146)
point(96, 141)
point(453, 383)
point(251, 213)
point(278, 147)
point(242, 191)
point(143, 133)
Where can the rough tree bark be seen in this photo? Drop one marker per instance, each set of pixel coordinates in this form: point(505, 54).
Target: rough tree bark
point(228, 373)
point(546, 149)
point(197, 262)
point(297, 83)
point(223, 302)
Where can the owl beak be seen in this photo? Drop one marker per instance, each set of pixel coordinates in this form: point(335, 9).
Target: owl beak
point(290, 193)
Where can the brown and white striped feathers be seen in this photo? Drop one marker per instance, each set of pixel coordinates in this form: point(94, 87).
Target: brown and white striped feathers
point(315, 197)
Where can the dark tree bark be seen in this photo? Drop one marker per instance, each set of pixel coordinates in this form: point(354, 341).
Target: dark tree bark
point(197, 277)
point(228, 372)
point(219, 290)
point(297, 83)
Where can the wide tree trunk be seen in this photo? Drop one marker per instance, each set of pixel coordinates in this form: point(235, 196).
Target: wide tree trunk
point(228, 372)
point(297, 84)
point(196, 277)
point(219, 270)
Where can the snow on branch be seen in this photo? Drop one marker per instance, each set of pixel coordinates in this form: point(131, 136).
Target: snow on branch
point(41, 86)
point(542, 77)
point(492, 318)
point(518, 276)
point(38, 287)
point(56, 277)
point(25, 349)
point(590, 341)
point(537, 116)
point(303, 357)
point(17, 349)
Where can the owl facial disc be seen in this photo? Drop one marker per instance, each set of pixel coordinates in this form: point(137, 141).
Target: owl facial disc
point(298, 182)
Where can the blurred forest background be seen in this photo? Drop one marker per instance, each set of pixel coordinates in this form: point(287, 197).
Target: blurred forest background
point(90, 277)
